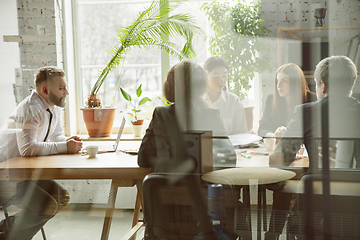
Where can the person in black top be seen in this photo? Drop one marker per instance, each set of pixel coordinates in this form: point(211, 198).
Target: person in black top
point(162, 146)
point(290, 90)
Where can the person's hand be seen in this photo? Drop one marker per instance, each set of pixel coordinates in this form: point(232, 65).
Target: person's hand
point(73, 146)
point(76, 138)
point(300, 153)
point(279, 132)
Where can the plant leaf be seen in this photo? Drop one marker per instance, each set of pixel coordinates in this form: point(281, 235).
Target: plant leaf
point(138, 91)
point(125, 94)
point(144, 100)
point(238, 29)
point(152, 27)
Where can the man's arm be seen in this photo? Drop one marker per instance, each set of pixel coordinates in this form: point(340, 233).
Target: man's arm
point(73, 143)
point(34, 128)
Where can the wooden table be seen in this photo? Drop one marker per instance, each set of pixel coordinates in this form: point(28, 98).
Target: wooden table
point(121, 168)
point(299, 166)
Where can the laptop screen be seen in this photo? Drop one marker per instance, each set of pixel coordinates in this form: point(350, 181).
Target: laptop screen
point(121, 129)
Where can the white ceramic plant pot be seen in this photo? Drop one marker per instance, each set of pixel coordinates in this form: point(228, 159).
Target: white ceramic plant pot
point(137, 130)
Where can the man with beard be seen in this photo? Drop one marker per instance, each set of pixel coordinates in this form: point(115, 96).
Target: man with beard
point(34, 129)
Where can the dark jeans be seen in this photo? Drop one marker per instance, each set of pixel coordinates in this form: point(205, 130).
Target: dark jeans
point(39, 201)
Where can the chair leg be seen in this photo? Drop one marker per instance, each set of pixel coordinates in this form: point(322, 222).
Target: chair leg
point(6, 213)
point(43, 233)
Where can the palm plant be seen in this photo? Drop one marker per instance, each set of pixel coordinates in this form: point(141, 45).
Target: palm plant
point(152, 27)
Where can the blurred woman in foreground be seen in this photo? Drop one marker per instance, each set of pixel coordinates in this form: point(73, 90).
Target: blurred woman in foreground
point(161, 148)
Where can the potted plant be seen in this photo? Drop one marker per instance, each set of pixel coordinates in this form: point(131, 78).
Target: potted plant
point(136, 121)
point(152, 27)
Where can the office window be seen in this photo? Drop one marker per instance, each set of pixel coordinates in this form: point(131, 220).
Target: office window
point(97, 23)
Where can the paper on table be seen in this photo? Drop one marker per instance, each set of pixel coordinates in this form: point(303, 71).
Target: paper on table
point(243, 139)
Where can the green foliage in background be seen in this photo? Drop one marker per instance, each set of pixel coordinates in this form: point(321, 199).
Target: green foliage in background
point(152, 27)
point(238, 30)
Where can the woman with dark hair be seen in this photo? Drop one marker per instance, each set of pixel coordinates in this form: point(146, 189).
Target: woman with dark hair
point(231, 109)
point(161, 146)
point(291, 89)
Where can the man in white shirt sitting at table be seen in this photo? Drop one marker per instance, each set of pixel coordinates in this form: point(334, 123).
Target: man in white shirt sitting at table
point(34, 129)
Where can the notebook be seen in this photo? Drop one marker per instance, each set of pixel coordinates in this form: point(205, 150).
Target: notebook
point(109, 147)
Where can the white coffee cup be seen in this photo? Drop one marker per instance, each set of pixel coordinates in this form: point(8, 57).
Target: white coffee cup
point(92, 150)
point(269, 143)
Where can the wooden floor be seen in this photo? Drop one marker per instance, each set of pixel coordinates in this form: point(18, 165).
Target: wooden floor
point(85, 221)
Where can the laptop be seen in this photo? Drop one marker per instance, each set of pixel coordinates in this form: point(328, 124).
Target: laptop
point(108, 147)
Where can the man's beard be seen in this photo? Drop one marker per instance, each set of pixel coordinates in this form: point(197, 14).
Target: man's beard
point(57, 101)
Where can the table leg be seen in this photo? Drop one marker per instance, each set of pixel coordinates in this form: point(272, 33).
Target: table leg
point(264, 208)
point(140, 192)
point(262, 223)
point(109, 210)
point(259, 209)
point(246, 195)
point(138, 203)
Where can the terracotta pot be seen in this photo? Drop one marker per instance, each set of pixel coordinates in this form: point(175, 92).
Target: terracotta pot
point(138, 122)
point(99, 121)
point(137, 127)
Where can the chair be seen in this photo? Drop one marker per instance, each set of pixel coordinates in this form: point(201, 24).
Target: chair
point(324, 207)
point(339, 205)
point(175, 210)
point(344, 210)
point(4, 208)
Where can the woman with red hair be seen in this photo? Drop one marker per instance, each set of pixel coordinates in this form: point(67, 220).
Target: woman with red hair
point(291, 89)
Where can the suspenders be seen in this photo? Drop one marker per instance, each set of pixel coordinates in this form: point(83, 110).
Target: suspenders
point(49, 124)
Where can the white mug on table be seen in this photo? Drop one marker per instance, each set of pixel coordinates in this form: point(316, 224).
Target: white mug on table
point(92, 150)
point(270, 143)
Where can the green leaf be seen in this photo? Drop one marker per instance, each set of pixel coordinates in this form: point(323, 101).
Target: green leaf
point(136, 110)
point(144, 100)
point(125, 94)
point(237, 31)
point(152, 27)
point(138, 91)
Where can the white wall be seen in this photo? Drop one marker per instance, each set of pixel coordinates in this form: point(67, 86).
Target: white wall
point(9, 57)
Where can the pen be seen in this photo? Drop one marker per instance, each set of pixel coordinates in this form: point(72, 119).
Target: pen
point(245, 156)
point(259, 153)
